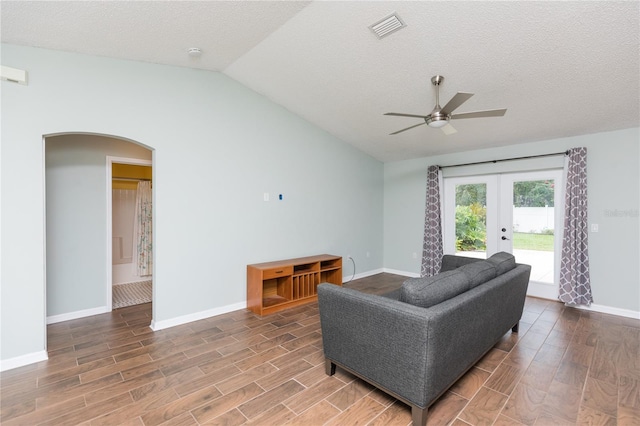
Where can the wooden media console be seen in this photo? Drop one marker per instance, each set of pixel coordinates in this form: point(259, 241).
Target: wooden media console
point(274, 286)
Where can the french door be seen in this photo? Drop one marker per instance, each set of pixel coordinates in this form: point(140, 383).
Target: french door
point(519, 213)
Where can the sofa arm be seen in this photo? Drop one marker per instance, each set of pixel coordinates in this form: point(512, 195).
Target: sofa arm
point(384, 340)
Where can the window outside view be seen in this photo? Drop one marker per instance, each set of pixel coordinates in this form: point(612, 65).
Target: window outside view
point(471, 220)
point(533, 227)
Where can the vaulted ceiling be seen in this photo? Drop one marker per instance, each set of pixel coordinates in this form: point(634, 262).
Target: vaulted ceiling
point(560, 68)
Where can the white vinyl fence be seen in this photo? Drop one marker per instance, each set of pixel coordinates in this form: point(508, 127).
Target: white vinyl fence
point(533, 219)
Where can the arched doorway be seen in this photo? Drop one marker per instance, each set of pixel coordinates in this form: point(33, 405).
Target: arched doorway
point(77, 219)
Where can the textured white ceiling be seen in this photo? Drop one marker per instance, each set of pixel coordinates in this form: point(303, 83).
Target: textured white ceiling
point(560, 68)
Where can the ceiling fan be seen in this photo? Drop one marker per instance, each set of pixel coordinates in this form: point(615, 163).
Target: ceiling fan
point(440, 116)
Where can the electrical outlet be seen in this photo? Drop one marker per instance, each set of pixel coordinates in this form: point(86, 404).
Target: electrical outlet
point(368, 254)
point(415, 255)
point(349, 256)
point(594, 227)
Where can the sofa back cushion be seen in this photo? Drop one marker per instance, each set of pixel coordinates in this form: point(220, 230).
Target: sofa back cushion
point(503, 262)
point(429, 291)
point(452, 261)
point(479, 272)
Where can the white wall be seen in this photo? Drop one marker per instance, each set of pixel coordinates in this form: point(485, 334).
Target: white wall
point(76, 218)
point(217, 148)
point(613, 185)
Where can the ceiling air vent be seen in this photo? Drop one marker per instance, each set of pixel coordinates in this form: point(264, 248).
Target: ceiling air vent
point(388, 25)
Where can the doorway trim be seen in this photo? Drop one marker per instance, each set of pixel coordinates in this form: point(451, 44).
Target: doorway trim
point(110, 161)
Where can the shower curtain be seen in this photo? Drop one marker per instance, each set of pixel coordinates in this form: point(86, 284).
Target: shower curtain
point(142, 230)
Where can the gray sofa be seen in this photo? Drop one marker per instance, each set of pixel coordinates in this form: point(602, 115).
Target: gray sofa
point(415, 342)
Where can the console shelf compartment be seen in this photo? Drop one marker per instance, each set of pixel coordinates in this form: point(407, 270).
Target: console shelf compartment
point(274, 286)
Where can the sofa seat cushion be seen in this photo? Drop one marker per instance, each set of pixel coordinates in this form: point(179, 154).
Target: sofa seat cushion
point(429, 291)
point(503, 262)
point(479, 272)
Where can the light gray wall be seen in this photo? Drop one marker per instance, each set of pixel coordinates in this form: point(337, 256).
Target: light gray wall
point(217, 148)
point(76, 218)
point(613, 185)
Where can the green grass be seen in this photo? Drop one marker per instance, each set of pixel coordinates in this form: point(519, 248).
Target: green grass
point(525, 241)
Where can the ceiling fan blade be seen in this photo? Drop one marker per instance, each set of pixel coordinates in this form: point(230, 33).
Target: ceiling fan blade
point(448, 129)
point(457, 100)
point(480, 114)
point(400, 131)
point(399, 114)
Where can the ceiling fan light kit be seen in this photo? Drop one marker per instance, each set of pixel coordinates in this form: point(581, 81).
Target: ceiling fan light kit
point(437, 120)
point(440, 116)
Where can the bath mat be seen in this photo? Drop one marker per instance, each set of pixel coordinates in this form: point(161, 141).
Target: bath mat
point(131, 294)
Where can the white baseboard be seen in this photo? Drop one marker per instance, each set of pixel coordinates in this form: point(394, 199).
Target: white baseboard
point(551, 293)
point(609, 310)
point(403, 273)
point(540, 291)
point(77, 314)
point(361, 275)
point(161, 325)
point(20, 361)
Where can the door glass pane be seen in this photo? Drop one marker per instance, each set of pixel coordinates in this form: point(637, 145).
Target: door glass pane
point(533, 227)
point(471, 220)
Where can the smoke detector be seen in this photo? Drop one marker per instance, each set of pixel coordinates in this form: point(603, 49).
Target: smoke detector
point(194, 52)
point(387, 25)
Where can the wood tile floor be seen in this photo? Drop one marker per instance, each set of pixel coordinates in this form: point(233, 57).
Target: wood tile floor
point(566, 366)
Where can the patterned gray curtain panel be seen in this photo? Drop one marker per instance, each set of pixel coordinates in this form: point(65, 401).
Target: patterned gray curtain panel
point(575, 285)
point(432, 246)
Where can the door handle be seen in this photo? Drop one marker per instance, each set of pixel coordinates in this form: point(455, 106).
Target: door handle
point(504, 238)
